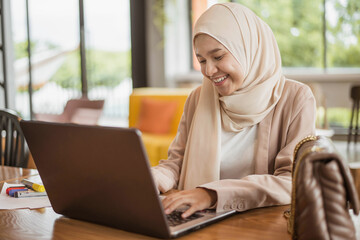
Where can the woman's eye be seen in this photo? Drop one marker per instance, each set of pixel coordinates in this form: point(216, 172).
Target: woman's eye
point(219, 58)
point(202, 61)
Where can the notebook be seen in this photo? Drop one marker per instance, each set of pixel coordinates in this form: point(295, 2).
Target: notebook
point(102, 175)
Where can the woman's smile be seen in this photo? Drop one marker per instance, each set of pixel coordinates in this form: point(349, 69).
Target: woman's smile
point(219, 80)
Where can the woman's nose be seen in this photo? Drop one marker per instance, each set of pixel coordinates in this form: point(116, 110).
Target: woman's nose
point(211, 69)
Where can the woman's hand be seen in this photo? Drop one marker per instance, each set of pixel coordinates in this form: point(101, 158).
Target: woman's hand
point(197, 199)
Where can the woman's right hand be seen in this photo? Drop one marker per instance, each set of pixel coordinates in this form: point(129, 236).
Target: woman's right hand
point(197, 198)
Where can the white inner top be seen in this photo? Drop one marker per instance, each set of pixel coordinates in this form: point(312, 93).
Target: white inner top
point(237, 153)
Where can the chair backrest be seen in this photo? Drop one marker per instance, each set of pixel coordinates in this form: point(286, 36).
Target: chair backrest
point(354, 119)
point(13, 150)
point(83, 103)
point(83, 110)
point(178, 95)
point(355, 93)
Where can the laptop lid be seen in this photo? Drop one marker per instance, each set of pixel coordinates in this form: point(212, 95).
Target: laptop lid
point(97, 174)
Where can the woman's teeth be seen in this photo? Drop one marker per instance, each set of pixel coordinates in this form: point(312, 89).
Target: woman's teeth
point(217, 80)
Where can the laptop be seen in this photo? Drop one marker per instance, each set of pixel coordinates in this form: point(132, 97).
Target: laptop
point(102, 175)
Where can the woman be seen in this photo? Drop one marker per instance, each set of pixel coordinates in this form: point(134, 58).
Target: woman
point(235, 141)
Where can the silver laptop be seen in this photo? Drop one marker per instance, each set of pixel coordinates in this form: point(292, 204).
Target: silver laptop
point(102, 175)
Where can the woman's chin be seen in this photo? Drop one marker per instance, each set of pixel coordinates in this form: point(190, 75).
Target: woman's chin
point(223, 92)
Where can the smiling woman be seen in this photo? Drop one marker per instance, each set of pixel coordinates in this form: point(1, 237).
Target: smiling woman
point(234, 145)
point(218, 64)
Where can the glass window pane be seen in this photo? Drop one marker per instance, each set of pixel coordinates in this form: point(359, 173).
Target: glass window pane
point(297, 26)
point(343, 35)
point(54, 54)
point(339, 119)
point(18, 18)
point(108, 56)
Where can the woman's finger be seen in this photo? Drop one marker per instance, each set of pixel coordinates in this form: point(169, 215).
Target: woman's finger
point(190, 211)
point(170, 199)
point(175, 203)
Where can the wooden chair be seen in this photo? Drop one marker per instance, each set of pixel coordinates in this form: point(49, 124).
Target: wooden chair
point(81, 111)
point(13, 150)
point(354, 127)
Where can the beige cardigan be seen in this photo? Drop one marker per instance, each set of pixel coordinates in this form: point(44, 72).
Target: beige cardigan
point(291, 120)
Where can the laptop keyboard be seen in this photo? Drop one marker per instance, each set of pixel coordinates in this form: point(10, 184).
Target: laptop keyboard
point(175, 218)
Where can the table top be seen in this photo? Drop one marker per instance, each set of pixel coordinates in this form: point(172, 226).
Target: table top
point(44, 223)
point(13, 173)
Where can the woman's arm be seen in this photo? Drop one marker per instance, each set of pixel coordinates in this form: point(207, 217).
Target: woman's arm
point(166, 174)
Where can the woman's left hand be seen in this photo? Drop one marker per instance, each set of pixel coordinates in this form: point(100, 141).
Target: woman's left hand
point(197, 199)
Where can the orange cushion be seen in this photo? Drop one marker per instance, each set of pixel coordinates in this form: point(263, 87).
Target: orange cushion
point(156, 115)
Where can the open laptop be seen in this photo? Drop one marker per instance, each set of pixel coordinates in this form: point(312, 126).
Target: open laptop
point(102, 175)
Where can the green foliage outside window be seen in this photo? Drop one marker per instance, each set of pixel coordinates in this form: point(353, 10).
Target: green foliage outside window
point(106, 68)
point(335, 117)
point(21, 50)
point(344, 34)
point(103, 69)
point(68, 75)
point(339, 117)
point(298, 28)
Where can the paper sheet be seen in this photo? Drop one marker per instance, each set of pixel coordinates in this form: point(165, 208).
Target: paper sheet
point(7, 202)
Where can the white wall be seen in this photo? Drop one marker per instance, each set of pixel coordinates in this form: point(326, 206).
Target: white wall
point(335, 87)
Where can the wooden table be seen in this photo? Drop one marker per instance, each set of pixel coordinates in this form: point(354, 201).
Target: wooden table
point(8, 174)
point(44, 223)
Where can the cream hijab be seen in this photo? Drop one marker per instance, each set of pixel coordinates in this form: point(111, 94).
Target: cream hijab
point(252, 43)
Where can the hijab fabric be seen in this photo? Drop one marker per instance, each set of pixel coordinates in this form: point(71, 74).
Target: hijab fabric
point(252, 43)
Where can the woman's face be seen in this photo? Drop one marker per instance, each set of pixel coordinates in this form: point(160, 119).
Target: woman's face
point(218, 65)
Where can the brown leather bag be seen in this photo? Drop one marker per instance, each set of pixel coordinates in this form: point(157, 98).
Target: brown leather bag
point(321, 192)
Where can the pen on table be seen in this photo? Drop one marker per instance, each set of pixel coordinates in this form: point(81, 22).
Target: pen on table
point(13, 191)
point(13, 187)
point(34, 186)
point(29, 194)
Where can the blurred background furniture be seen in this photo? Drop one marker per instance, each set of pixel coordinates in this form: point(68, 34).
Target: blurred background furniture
point(13, 150)
point(354, 127)
point(81, 111)
point(156, 112)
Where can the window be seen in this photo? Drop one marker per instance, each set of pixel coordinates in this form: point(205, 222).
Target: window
point(343, 33)
point(108, 54)
point(55, 55)
point(304, 38)
point(54, 47)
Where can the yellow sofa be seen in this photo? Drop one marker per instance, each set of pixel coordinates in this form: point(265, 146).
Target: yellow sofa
point(157, 144)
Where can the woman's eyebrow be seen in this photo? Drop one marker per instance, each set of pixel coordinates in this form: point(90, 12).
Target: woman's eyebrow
point(210, 52)
point(214, 50)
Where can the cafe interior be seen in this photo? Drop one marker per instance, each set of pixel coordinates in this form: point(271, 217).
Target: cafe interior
point(131, 64)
